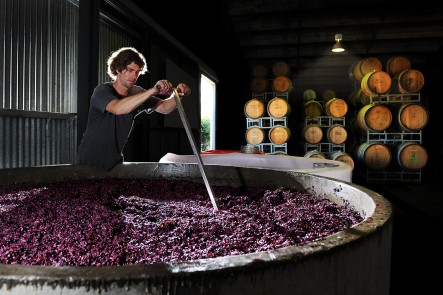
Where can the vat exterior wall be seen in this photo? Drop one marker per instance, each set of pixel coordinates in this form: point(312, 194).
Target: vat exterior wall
point(362, 267)
point(354, 261)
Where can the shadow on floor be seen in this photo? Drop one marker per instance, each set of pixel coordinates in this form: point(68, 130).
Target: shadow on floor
point(417, 227)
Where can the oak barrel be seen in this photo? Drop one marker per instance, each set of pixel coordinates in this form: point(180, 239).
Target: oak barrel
point(375, 156)
point(314, 154)
point(279, 134)
point(328, 94)
point(312, 133)
point(365, 66)
point(408, 81)
point(336, 134)
point(260, 70)
point(312, 109)
point(255, 135)
point(281, 68)
point(397, 64)
point(309, 95)
point(342, 157)
point(351, 71)
point(358, 99)
point(412, 117)
point(259, 85)
point(281, 84)
point(375, 83)
point(374, 118)
point(254, 108)
point(411, 156)
point(278, 108)
point(336, 108)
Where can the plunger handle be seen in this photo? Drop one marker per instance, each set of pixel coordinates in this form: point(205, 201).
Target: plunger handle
point(194, 147)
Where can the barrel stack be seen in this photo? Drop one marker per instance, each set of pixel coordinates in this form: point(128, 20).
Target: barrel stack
point(268, 109)
point(384, 116)
point(324, 132)
point(390, 117)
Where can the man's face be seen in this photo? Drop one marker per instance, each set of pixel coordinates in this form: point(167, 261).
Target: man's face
point(127, 77)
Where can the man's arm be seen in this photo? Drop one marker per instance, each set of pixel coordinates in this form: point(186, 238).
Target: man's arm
point(168, 105)
point(130, 103)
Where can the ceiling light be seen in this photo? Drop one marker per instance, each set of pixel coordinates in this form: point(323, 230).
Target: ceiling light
point(338, 47)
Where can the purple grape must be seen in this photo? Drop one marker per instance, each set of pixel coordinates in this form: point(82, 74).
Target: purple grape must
point(146, 221)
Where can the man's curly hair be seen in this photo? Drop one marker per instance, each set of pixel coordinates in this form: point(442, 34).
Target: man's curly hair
point(120, 59)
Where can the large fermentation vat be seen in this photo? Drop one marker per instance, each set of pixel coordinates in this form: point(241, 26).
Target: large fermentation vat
point(354, 261)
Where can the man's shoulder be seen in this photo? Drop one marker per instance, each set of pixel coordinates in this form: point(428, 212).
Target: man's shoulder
point(105, 88)
point(137, 89)
point(106, 85)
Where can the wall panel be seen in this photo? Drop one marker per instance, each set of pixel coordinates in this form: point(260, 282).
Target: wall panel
point(38, 82)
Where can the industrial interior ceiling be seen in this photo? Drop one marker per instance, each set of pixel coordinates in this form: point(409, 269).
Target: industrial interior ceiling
point(302, 33)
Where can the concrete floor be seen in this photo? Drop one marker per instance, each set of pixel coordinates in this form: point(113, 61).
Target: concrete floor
point(418, 219)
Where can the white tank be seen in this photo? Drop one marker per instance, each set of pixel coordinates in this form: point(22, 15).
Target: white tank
point(323, 167)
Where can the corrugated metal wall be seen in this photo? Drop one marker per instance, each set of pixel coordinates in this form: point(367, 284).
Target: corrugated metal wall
point(111, 38)
point(38, 55)
point(32, 139)
point(38, 82)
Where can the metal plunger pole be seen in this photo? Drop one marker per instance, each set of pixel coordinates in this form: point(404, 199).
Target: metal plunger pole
point(194, 147)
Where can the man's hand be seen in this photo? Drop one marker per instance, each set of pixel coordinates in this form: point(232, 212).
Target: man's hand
point(163, 87)
point(183, 89)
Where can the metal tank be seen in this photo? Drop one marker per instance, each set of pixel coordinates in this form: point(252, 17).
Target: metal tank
point(323, 167)
point(354, 261)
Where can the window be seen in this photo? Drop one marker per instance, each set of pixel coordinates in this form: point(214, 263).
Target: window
point(207, 111)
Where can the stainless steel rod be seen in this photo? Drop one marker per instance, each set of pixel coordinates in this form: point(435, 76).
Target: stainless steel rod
point(194, 147)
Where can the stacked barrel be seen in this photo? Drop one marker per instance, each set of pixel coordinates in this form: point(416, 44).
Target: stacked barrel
point(324, 132)
point(281, 82)
point(259, 80)
point(389, 118)
point(267, 111)
point(312, 107)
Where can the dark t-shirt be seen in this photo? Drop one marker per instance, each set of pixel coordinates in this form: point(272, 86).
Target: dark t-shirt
point(106, 133)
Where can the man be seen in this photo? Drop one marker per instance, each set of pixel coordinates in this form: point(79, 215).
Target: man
point(114, 105)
